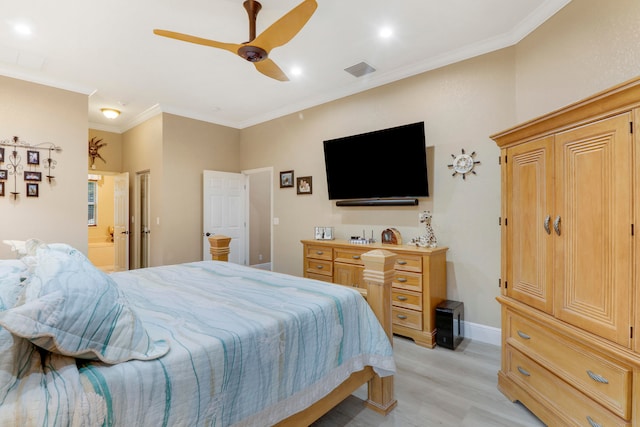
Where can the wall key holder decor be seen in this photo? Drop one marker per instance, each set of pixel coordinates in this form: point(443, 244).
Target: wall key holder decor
point(14, 163)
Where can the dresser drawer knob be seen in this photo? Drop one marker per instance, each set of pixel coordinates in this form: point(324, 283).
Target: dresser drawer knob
point(401, 262)
point(523, 372)
point(356, 257)
point(402, 280)
point(593, 423)
point(402, 298)
point(597, 378)
point(319, 267)
point(401, 316)
point(319, 252)
point(523, 335)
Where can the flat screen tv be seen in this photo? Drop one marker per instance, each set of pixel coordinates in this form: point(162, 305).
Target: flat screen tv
point(388, 163)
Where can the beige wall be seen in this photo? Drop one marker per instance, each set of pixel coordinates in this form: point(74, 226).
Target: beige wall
point(142, 151)
point(111, 152)
point(189, 147)
point(460, 105)
point(587, 47)
point(37, 114)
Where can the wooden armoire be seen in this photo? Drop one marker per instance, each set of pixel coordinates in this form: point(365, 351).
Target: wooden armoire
point(570, 294)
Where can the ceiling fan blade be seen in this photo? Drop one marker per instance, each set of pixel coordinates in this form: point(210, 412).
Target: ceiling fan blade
point(270, 69)
point(285, 28)
point(231, 47)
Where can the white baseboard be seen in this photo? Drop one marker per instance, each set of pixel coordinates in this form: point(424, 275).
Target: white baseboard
point(483, 333)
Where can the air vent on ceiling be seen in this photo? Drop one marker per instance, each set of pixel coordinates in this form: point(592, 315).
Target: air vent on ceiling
point(360, 69)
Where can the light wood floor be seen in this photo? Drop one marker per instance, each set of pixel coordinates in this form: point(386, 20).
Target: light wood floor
point(439, 387)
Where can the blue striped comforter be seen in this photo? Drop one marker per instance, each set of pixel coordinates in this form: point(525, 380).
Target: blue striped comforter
point(248, 347)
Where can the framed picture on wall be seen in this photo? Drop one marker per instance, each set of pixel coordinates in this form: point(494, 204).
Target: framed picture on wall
point(32, 176)
point(303, 185)
point(33, 157)
point(286, 179)
point(1, 154)
point(3, 174)
point(1, 189)
point(32, 189)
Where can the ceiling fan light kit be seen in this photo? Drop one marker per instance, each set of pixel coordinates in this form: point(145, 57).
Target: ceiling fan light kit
point(257, 49)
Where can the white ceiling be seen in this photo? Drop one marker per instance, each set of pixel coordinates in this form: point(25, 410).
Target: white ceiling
point(106, 49)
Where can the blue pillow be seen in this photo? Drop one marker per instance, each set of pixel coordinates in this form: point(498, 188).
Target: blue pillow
point(72, 308)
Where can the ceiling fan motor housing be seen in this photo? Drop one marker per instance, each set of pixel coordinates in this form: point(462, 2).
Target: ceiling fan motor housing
point(252, 53)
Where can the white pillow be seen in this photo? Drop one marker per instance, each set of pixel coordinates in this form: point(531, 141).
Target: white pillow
point(72, 308)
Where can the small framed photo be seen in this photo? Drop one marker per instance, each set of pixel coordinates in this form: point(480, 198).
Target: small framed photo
point(3, 174)
point(303, 185)
point(32, 176)
point(286, 179)
point(1, 154)
point(1, 189)
point(32, 189)
point(33, 157)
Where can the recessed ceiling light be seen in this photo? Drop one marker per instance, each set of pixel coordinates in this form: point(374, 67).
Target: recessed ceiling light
point(385, 32)
point(296, 71)
point(22, 29)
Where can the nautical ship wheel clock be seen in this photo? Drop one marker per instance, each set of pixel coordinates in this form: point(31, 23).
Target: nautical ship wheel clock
point(463, 164)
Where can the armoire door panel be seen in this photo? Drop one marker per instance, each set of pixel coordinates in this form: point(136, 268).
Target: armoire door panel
point(530, 186)
point(593, 243)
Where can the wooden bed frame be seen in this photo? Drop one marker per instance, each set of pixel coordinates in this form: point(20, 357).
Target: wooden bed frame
point(378, 275)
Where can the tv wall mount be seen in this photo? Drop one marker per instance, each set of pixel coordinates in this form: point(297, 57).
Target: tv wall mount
point(463, 164)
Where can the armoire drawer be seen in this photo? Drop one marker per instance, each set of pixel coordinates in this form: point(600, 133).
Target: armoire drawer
point(577, 408)
point(601, 379)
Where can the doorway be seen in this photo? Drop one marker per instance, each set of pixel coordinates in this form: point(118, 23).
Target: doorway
point(142, 227)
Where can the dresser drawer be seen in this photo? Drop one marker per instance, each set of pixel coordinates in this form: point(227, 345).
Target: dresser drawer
point(318, 266)
point(318, 252)
point(349, 256)
point(409, 263)
point(406, 299)
point(409, 318)
point(577, 408)
point(407, 280)
point(319, 277)
point(601, 379)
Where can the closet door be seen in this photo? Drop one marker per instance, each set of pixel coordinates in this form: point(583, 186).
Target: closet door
point(593, 217)
point(529, 212)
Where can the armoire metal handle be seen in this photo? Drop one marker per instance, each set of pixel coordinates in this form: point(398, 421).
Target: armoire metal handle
point(592, 422)
point(547, 222)
point(556, 225)
point(597, 378)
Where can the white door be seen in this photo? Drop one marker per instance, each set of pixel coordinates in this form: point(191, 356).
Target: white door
point(223, 200)
point(121, 221)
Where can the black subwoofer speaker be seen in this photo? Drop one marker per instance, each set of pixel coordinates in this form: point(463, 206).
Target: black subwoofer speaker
point(449, 324)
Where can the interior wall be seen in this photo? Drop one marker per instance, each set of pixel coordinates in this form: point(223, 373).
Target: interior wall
point(461, 105)
point(37, 114)
point(191, 146)
point(260, 217)
point(587, 47)
point(141, 151)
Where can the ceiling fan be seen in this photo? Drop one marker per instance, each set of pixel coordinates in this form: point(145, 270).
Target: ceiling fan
point(257, 49)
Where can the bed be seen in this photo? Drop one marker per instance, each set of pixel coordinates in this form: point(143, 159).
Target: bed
point(207, 343)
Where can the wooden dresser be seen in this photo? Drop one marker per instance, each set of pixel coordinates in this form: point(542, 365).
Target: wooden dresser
point(419, 286)
point(570, 297)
